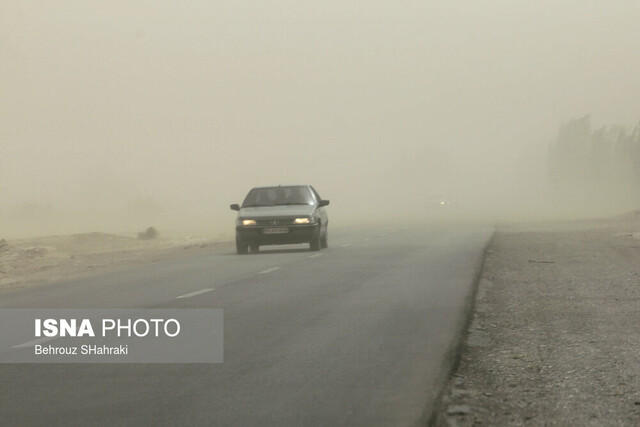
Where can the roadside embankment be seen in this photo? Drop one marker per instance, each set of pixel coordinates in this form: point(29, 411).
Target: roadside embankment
point(38, 261)
point(555, 335)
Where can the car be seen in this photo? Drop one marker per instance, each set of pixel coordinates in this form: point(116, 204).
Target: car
point(442, 203)
point(280, 215)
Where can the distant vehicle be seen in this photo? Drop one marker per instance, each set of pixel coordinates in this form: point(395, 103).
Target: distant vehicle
point(442, 201)
point(281, 215)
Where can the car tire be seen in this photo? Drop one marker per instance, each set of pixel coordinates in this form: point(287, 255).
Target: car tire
point(324, 241)
point(315, 244)
point(255, 248)
point(241, 248)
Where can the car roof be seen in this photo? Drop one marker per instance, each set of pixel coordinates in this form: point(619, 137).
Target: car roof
point(282, 186)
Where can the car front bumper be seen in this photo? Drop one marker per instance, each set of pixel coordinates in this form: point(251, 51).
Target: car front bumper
point(256, 235)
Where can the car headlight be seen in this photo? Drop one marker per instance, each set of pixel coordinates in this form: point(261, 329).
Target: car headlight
point(302, 220)
point(248, 222)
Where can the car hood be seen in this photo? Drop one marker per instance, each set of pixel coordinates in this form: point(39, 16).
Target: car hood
point(275, 211)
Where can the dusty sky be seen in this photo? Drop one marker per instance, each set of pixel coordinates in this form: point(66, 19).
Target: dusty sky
point(191, 103)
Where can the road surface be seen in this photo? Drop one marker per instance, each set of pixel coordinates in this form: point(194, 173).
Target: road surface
point(361, 333)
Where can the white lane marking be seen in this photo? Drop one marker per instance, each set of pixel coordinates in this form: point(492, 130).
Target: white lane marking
point(346, 245)
point(34, 342)
point(316, 255)
point(193, 294)
point(269, 270)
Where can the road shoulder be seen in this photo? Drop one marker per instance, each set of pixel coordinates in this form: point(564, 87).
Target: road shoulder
point(555, 335)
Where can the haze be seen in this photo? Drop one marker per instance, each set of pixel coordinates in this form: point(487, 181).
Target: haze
point(118, 115)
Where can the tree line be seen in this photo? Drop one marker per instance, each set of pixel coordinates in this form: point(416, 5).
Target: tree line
point(595, 171)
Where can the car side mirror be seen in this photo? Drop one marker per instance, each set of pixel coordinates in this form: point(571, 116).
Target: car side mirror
point(323, 203)
point(235, 207)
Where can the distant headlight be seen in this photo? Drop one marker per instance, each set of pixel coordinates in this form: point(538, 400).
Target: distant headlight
point(302, 220)
point(248, 222)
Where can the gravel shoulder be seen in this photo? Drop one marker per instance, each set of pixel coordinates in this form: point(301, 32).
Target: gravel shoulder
point(554, 338)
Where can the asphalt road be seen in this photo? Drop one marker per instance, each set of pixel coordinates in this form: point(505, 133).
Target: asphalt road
point(360, 333)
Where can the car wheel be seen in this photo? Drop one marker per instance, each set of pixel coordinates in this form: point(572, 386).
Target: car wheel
point(324, 241)
point(241, 248)
point(255, 248)
point(315, 244)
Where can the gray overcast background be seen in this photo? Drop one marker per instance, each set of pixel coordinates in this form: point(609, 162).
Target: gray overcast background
point(377, 104)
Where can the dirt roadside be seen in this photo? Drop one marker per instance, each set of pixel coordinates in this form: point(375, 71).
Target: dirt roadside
point(554, 339)
point(38, 261)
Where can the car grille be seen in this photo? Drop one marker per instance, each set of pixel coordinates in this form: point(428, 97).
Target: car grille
point(275, 222)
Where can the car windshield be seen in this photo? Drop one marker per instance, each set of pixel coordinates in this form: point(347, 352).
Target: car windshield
point(272, 196)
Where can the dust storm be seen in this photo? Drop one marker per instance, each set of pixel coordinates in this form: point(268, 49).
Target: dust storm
point(120, 115)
